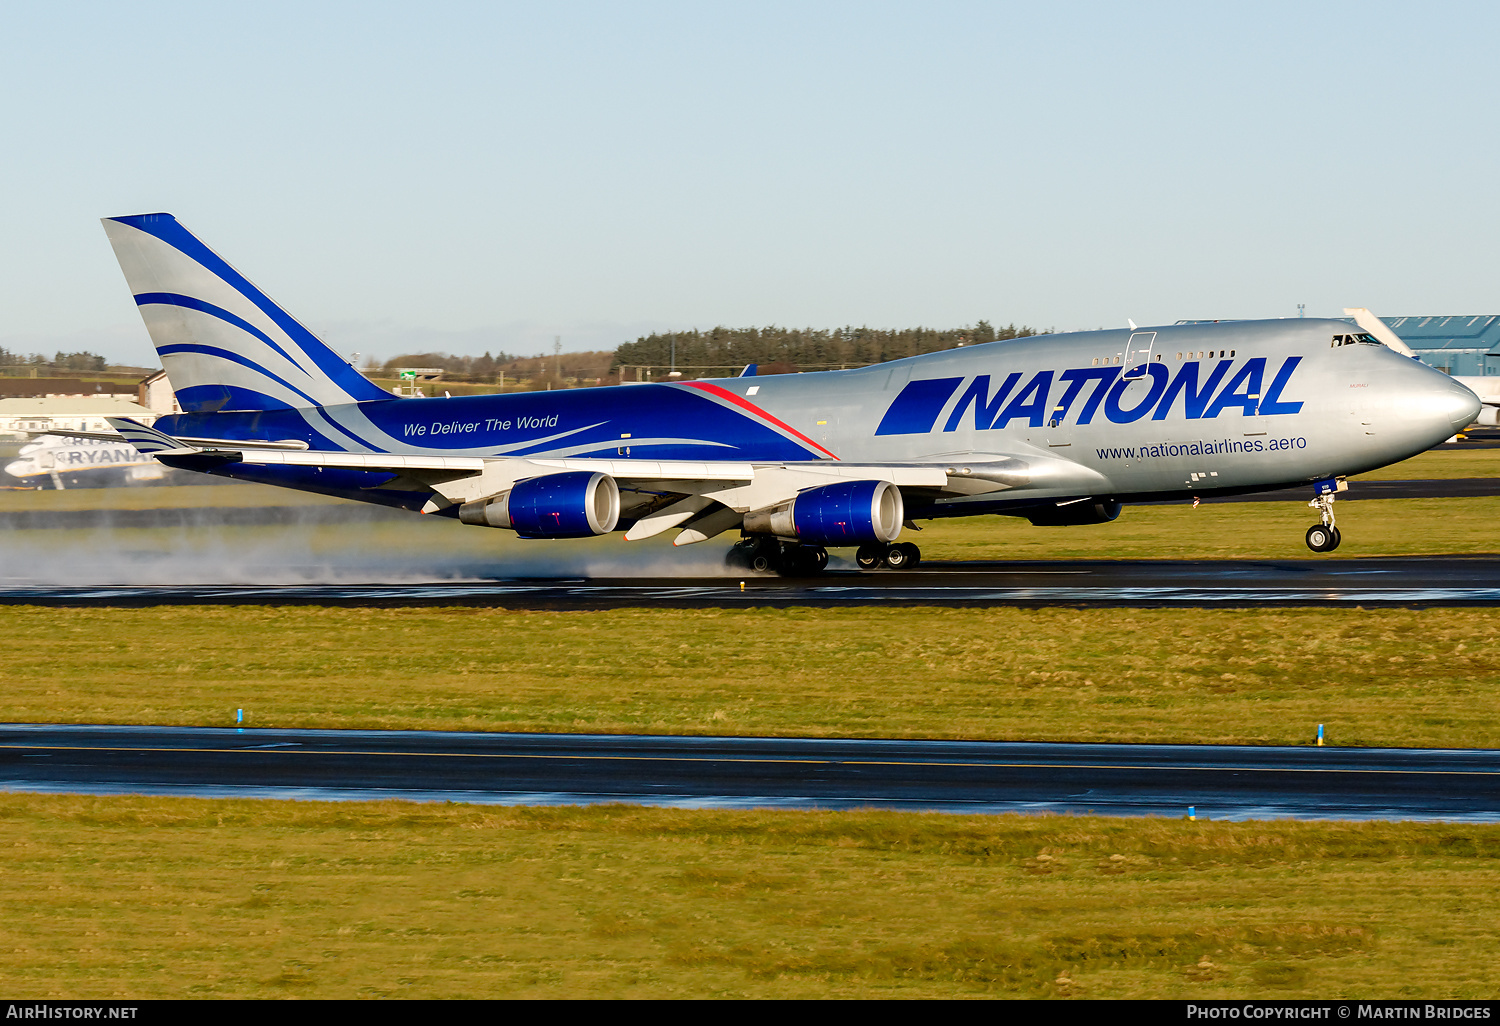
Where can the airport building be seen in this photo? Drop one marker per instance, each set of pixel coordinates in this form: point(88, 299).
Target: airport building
point(1462, 345)
point(32, 404)
point(155, 393)
point(21, 417)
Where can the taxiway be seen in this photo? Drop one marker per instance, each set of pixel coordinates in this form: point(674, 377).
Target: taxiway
point(1238, 782)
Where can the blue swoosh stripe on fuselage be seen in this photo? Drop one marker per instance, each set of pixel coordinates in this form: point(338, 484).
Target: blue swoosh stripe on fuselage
point(224, 354)
point(475, 425)
point(176, 299)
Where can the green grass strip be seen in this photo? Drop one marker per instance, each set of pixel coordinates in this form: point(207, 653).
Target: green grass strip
point(1385, 677)
point(161, 898)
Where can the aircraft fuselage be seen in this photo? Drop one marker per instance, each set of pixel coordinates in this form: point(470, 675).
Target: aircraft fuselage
point(1186, 409)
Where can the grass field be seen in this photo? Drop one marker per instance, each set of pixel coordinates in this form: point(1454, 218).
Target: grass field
point(232, 494)
point(1374, 677)
point(1231, 530)
point(1439, 463)
point(161, 898)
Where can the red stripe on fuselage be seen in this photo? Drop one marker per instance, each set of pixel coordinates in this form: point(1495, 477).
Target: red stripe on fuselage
point(723, 393)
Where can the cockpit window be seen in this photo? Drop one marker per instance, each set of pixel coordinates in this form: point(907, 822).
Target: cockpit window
point(1361, 339)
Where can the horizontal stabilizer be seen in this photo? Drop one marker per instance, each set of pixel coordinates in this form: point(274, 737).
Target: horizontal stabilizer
point(146, 440)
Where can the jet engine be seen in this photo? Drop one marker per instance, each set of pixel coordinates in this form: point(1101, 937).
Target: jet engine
point(1073, 513)
point(846, 513)
point(575, 504)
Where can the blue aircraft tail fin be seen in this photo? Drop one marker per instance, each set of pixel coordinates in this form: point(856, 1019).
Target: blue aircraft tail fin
point(224, 343)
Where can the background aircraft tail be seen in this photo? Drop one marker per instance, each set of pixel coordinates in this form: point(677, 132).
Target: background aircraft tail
point(223, 342)
point(1375, 326)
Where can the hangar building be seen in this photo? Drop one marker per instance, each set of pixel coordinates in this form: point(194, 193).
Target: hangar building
point(1464, 346)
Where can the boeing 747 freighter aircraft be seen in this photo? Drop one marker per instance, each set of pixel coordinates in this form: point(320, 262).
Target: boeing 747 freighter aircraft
point(1060, 429)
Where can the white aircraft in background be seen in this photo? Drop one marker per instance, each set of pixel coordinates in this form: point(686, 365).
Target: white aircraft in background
point(1487, 388)
point(63, 460)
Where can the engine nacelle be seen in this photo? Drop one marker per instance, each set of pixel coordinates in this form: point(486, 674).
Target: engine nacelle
point(846, 513)
point(1489, 416)
point(575, 504)
point(1073, 514)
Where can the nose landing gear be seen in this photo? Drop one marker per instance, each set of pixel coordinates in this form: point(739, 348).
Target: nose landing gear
point(1325, 537)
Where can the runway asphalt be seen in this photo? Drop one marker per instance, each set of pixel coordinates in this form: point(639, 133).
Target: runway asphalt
point(1379, 581)
point(729, 772)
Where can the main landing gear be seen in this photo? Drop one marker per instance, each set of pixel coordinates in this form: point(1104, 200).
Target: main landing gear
point(1325, 537)
point(771, 555)
point(763, 554)
point(903, 556)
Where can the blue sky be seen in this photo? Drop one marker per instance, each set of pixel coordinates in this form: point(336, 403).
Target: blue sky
point(486, 176)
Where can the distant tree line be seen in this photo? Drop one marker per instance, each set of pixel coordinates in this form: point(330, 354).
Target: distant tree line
point(791, 349)
point(480, 368)
point(84, 361)
point(773, 349)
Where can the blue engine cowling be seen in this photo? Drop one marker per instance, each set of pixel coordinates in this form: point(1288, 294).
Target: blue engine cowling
point(848, 513)
point(575, 504)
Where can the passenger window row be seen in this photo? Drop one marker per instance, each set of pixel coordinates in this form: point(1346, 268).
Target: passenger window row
point(1109, 361)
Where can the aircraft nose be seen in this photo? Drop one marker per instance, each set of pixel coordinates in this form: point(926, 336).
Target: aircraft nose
point(1433, 404)
point(1457, 405)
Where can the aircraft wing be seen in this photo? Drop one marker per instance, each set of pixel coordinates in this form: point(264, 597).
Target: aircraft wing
point(702, 498)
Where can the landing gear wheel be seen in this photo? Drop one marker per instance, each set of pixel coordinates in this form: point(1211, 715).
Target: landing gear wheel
point(762, 555)
point(738, 556)
point(1322, 539)
point(869, 557)
point(913, 554)
point(899, 557)
point(1338, 536)
point(798, 560)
